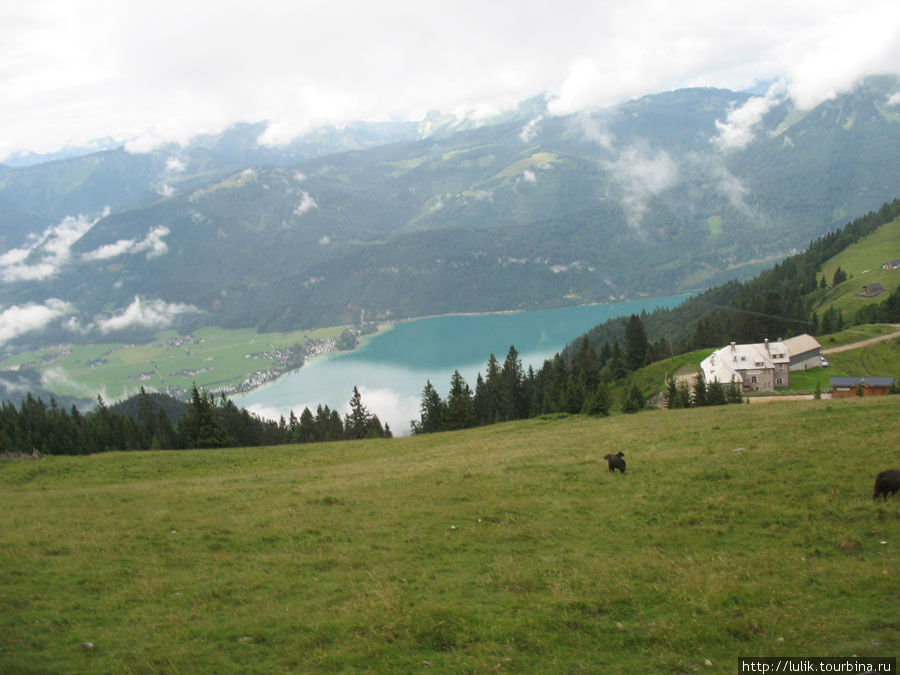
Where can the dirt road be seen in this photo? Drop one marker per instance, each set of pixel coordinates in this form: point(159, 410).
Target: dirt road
point(863, 343)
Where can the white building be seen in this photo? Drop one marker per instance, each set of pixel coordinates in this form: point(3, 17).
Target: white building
point(758, 367)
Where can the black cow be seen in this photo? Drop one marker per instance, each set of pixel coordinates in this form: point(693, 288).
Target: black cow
point(616, 462)
point(887, 483)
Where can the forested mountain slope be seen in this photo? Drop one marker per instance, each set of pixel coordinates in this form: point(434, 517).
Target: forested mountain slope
point(793, 297)
point(663, 194)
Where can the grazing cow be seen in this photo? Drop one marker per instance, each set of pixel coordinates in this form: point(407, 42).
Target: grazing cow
point(887, 483)
point(616, 462)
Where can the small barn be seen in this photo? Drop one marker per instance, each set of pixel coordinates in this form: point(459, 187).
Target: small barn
point(845, 387)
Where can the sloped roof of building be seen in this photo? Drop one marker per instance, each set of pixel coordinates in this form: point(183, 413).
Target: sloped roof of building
point(855, 381)
point(801, 344)
point(723, 364)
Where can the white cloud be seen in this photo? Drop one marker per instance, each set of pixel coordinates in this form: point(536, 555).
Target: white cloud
point(174, 165)
point(642, 174)
point(307, 203)
point(144, 314)
point(391, 407)
point(731, 186)
point(20, 319)
point(595, 130)
point(529, 176)
point(110, 250)
point(48, 252)
point(738, 129)
point(529, 131)
point(13, 387)
point(830, 53)
point(152, 244)
point(894, 99)
point(54, 378)
point(73, 72)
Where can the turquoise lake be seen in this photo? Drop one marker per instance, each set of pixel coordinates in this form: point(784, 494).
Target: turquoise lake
point(391, 368)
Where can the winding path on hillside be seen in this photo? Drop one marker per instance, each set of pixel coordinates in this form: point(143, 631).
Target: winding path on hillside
point(863, 343)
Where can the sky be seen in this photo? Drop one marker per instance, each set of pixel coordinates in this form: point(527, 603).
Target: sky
point(146, 73)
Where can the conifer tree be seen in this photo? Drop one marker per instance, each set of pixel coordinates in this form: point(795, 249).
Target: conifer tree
point(634, 400)
point(511, 398)
point(573, 397)
point(637, 346)
point(459, 413)
point(586, 366)
point(200, 423)
point(699, 398)
point(307, 433)
point(734, 393)
point(356, 424)
point(600, 401)
point(431, 412)
point(715, 393)
point(670, 395)
point(492, 408)
point(684, 395)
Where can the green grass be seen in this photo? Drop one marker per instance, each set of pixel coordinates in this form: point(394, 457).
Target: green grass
point(652, 379)
point(862, 262)
point(110, 369)
point(881, 359)
point(505, 548)
point(855, 334)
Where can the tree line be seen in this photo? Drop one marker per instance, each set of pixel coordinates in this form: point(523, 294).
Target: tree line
point(144, 423)
point(580, 384)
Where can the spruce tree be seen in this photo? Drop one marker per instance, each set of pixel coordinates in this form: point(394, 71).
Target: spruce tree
point(734, 393)
point(356, 424)
point(600, 401)
point(637, 346)
point(671, 393)
point(307, 427)
point(715, 393)
point(431, 412)
point(512, 400)
point(493, 401)
point(634, 400)
point(459, 412)
point(700, 396)
point(586, 366)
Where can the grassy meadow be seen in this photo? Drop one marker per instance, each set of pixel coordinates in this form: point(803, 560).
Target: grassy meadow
point(862, 262)
point(504, 548)
point(214, 357)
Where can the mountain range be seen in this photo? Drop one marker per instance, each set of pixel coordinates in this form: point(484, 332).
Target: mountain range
point(673, 192)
